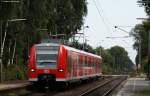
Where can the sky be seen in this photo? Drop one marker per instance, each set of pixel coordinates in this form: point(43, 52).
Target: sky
point(109, 13)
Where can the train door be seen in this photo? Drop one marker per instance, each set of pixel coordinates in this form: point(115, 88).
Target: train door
point(82, 72)
point(69, 64)
point(80, 65)
point(94, 66)
point(74, 64)
point(84, 68)
point(77, 64)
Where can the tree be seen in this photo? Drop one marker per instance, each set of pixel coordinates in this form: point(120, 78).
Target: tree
point(144, 33)
point(122, 61)
point(58, 16)
point(115, 60)
point(140, 34)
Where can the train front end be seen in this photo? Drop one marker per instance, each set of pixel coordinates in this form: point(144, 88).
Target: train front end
point(45, 65)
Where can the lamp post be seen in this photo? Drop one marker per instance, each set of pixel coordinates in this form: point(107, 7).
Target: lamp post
point(100, 48)
point(3, 43)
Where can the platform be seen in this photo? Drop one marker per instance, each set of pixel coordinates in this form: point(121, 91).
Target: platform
point(134, 85)
point(12, 85)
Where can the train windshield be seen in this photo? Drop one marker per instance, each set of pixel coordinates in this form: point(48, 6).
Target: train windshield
point(46, 56)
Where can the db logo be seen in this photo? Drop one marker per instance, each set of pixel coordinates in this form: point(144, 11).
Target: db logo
point(46, 71)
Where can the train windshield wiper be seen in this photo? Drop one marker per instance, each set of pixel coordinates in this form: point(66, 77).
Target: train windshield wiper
point(46, 61)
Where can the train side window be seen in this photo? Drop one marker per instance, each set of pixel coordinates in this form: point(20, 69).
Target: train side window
point(85, 64)
point(87, 61)
point(81, 60)
point(77, 60)
point(69, 61)
point(92, 62)
point(95, 63)
point(89, 64)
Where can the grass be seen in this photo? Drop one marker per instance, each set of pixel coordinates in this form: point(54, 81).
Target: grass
point(142, 93)
point(11, 94)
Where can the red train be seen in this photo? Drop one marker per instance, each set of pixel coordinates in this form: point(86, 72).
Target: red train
point(57, 63)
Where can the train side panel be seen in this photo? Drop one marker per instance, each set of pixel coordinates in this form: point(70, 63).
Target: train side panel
point(61, 66)
point(80, 66)
point(31, 65)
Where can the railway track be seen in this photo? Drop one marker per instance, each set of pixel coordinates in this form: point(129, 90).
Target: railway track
point(105, 89)
point(100, 87)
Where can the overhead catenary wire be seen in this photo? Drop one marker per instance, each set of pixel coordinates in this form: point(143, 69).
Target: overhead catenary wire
point(105, 16)
point(106, 19)
point(103, 20)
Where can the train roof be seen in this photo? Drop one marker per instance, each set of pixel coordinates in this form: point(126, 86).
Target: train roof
point(47, 44)
point(68, 48)
point(80, 51)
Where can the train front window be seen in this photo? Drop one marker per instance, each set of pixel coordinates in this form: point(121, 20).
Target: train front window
point(46, 58)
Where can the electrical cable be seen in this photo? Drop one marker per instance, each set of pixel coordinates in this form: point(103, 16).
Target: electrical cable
point(103, 20)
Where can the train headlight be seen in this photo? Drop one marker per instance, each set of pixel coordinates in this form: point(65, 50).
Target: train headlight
point(32, 70)
point(60, 70)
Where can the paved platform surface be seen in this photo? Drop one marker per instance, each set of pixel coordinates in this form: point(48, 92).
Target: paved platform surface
point(132, 85)
point(13, 85)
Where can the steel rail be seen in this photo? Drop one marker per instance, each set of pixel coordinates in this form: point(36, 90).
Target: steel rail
point(113, 87)
point(93, 89)
point(102, 85)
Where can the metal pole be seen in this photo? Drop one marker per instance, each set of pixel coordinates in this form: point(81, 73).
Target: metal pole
point(84, 36)
point(101, 48)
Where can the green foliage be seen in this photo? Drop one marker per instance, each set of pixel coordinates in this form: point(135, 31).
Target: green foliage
point(123, 64)
point(115, 60)
point(141, 33)
point(141, 93)
point(14, 72)
point(82, 46)
point(58, 16)
point(147, 6)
